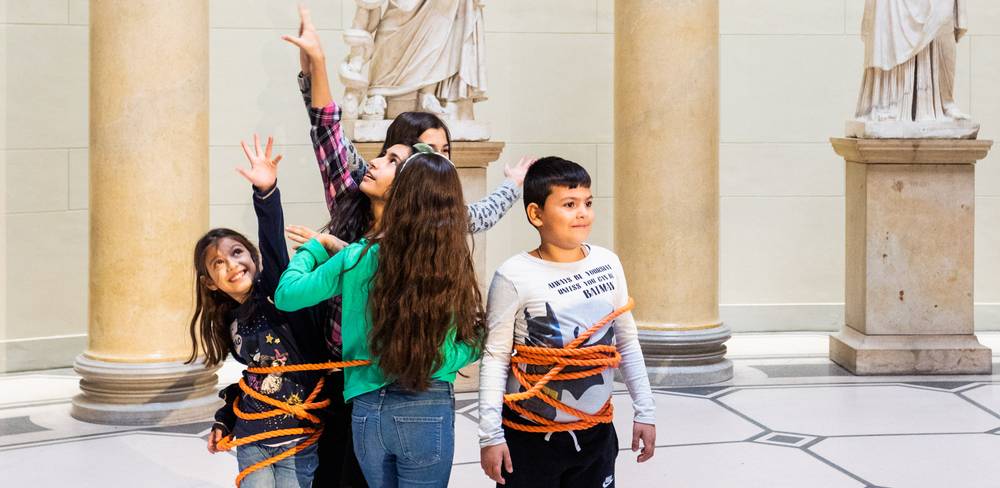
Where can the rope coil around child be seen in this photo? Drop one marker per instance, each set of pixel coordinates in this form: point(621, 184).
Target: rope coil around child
point(598, 358)
point(300, 411)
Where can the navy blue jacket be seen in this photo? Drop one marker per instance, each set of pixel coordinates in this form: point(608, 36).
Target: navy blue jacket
point(263, 336)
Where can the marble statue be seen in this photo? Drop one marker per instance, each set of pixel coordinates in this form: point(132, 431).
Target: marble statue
point(908, 89)
point(405, 55)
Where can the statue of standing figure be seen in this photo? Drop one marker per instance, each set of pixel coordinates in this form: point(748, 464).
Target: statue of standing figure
point(415, 55)
point(908, 90)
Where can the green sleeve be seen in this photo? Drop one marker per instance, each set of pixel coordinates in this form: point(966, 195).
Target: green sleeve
point(457, 355)
point(311, 277)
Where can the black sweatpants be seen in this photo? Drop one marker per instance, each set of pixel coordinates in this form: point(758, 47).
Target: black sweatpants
point(556, 463)
point(338, 466)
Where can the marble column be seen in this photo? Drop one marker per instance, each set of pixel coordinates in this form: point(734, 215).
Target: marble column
point(909, 278)
point(667, 177)
point(148, 206)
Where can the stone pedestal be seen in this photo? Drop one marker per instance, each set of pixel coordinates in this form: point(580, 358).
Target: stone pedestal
point(361, 130)
point(909, 281)
point(148, 207)
point(667, 184)
point(472, 159)
point(924, 129)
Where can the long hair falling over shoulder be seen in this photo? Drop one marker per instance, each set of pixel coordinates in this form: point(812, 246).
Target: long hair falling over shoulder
point(425, 284)
point(209, 331)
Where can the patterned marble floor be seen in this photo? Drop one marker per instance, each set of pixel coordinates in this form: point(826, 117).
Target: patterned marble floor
point(786, 420)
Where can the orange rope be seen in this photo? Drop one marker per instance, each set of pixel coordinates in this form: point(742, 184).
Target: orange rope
point(598, 358)
point(299, 411)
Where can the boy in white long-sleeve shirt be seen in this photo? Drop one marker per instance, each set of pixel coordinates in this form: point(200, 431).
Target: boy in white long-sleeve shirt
point(547, 297)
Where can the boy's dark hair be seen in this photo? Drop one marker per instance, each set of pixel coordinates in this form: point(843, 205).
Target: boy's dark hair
point(552, 171)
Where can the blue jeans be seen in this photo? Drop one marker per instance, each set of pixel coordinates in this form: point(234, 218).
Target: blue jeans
point(404, 438)
point(294, 471)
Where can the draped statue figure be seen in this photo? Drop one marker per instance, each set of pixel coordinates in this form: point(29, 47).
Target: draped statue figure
point(908, 88)
point(426, 55)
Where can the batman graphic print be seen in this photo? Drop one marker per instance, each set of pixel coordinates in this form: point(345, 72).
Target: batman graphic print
point(556, 330)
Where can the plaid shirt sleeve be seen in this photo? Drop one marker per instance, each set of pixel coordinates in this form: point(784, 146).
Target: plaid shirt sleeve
point(334, 152)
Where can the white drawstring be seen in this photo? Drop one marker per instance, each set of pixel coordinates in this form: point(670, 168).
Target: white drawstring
point(572, 433)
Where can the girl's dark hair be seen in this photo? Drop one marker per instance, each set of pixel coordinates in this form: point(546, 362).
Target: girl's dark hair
point(209, 332)
point(354, 209)
point(548, 172)
point(354, 215)
point(408, 126)
point(424, 287)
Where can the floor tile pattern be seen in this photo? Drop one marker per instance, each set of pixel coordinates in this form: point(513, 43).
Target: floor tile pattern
point(781, 422)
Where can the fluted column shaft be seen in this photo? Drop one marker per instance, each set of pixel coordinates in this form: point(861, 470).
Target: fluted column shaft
point(667, 177)
point(148, 206)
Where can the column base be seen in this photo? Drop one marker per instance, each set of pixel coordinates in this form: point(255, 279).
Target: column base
point(144, 393)
point(690, 375)
point(686, 357)
point(864, 354)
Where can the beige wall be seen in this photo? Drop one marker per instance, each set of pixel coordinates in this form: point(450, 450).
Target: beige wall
point(790, 70)
point(3, 181)
point(46, 217)
point(790, 73)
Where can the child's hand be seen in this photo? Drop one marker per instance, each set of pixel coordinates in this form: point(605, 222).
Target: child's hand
point(491, 458)
point(263, 173)
point(647, 434)
point(516, 173)
point(331, 243)
point(213, 440)
point(299, 235)
point(310, 49)
point(304, 62)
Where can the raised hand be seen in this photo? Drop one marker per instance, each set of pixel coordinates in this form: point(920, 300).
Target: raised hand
point(263, 172)
point(310, 49)
point(300, 235)
point(517, 172)
point(331, 243)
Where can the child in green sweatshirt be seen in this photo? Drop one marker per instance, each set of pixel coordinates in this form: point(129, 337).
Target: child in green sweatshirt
point(412, 306)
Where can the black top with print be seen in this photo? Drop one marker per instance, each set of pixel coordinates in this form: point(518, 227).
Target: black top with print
point(263, 336)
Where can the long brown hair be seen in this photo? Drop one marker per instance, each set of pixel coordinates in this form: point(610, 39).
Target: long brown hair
point(209, 332)
point(425, 284)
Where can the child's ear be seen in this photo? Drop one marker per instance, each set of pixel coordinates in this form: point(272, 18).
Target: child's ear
point(205, 280)
point(534, 215)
